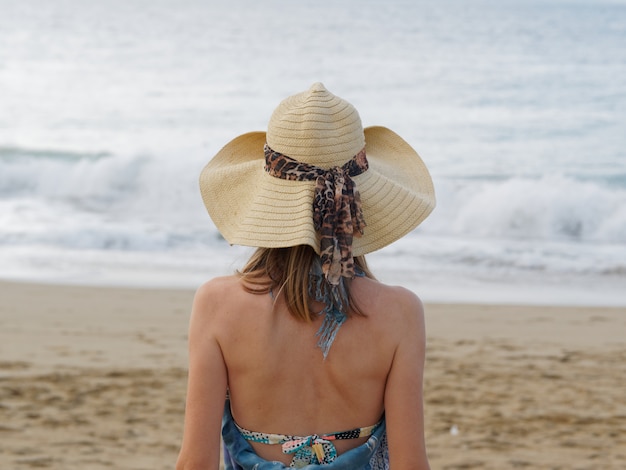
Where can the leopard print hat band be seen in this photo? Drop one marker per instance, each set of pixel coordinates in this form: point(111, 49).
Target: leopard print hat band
point(337, 212)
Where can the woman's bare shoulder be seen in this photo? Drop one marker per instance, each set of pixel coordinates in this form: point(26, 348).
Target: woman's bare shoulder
point(216, 286)
point(214, 297)
point(393, 304)
point(379, 293)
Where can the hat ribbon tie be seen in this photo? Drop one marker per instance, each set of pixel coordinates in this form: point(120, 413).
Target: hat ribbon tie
point(337, 211)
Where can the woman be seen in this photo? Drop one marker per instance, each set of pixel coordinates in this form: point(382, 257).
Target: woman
point(322, 364)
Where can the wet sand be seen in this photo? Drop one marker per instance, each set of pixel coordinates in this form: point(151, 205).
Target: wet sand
point(94, 378)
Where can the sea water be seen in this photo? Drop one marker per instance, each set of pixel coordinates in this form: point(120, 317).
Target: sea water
point(109, 110)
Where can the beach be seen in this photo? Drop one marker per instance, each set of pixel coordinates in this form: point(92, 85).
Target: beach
point(110, 110)
point(95, 378)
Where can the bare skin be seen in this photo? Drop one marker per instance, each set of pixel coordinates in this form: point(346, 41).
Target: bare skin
point(280, 383)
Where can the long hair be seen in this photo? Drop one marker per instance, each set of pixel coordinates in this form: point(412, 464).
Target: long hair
point(286, 271)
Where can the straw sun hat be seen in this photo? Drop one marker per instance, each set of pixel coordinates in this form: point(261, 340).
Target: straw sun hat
point(251, 207)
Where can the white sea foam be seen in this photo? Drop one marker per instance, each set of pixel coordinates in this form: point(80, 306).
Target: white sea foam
point(553, 207)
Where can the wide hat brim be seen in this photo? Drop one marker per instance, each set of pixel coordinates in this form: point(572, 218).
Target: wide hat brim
point(252, 208)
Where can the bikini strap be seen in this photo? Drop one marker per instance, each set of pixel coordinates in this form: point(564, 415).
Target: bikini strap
point(314, 449)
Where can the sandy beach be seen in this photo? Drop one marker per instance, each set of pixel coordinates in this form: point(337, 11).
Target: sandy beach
point(95, 378)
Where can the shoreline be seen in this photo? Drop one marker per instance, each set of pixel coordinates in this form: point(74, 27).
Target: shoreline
point(440, 288)
point(95, 377)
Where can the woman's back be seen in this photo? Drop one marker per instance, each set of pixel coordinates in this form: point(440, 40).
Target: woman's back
point(278, 379)
point(314, 194)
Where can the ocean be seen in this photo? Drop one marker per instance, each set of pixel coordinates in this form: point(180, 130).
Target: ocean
point(110, 109)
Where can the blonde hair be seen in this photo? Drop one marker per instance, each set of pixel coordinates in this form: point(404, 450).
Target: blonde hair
point(286, 271)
